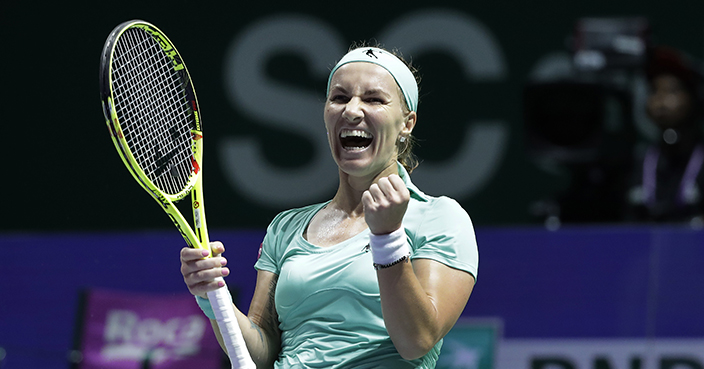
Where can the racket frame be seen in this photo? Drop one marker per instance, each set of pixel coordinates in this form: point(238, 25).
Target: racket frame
point(197, 236)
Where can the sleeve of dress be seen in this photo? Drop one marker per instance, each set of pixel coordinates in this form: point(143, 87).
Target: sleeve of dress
point(446, 235)
point(268, 260)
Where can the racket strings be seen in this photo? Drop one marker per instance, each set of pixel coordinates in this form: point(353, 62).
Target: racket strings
point(155, 116)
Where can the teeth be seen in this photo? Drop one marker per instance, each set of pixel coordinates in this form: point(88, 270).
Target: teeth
point(355, 133)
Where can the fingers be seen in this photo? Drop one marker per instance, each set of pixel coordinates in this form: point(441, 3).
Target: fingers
point(387, 191)
point(189, 254)
point(398, 185)
point(385, 204)
point(200, 273)
point(217, 248)
point(370, 198)
point(190, 264)
point(202, 281)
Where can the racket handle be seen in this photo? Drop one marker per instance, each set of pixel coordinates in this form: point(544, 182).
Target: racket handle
point(221, 301)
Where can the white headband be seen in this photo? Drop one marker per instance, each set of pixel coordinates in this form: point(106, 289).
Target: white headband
point(403, 76)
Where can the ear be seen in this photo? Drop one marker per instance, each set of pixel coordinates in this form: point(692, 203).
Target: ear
point(409, 123)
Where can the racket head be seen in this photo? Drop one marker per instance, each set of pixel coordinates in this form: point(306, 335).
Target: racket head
point(151, 109)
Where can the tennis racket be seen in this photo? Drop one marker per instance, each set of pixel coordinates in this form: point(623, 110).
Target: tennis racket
point(152, 114)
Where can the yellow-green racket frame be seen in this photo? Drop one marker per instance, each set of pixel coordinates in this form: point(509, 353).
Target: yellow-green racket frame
point(196, 236)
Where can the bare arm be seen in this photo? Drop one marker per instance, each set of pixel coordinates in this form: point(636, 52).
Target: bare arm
point(259, 329)
point(421, 302)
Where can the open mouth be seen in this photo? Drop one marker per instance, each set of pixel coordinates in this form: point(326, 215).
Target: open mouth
point(355, 139)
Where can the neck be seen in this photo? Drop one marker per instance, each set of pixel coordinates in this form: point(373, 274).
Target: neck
point(349, 192)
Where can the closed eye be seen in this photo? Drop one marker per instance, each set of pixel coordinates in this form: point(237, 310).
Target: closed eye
point(339, 98)
point(376, 96)
point(374, 100)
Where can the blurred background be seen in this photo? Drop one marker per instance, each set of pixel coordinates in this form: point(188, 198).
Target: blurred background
point(570, 132)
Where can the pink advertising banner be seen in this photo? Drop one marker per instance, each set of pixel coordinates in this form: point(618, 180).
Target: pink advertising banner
point(125, 330)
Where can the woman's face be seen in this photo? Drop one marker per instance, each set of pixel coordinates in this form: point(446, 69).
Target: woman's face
point(669, 103)
point(364, 117)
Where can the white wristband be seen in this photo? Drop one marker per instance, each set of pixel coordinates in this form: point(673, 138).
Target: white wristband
point(389, 249)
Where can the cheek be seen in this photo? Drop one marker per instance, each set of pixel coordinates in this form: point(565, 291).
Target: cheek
point(681, 103)
point(328, 117)
point(329, 123)
point(389, 138)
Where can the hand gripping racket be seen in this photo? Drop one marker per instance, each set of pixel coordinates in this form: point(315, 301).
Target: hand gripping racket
point(152, 114)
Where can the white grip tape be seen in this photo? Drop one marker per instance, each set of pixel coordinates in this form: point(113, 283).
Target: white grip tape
point(388, 248)
point(221, 302)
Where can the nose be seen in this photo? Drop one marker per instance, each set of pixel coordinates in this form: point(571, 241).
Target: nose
point(660, 102)
point(353, 110)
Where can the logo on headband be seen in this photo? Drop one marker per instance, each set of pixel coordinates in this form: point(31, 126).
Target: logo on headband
point(370, 53)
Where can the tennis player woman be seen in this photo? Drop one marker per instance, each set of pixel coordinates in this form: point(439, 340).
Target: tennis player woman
point(374, 277)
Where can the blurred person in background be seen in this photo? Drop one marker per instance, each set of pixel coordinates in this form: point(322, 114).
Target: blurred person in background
point(667, 179)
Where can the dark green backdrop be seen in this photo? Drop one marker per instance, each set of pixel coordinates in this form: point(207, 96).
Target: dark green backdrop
point(59, 161)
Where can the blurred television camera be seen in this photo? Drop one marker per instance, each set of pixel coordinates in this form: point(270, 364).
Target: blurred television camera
point(584, 123)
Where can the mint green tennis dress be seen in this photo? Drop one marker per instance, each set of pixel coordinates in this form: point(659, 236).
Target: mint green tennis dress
point(327, 298)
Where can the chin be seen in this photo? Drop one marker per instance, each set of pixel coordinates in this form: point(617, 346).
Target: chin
point(353, 167)
point(359, 168)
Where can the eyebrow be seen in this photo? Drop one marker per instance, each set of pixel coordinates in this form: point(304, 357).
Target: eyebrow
point(368, 92)
point(338, 88)
point(375, 91)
